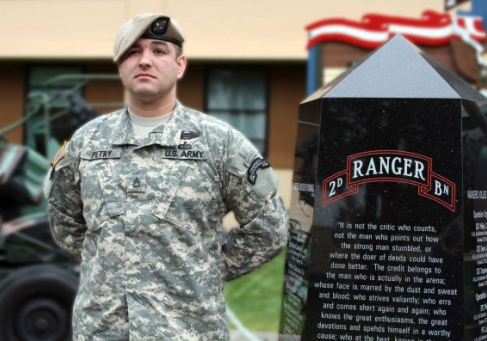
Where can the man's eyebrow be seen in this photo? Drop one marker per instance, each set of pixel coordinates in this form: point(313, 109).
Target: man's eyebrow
point(159, 42)
point(154, 42)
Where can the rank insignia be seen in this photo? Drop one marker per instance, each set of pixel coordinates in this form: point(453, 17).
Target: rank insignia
point(185, 146)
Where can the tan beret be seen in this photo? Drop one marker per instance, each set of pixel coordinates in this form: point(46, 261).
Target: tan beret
point(150, 25)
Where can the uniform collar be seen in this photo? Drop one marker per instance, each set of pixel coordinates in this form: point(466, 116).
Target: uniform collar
point(167, 135)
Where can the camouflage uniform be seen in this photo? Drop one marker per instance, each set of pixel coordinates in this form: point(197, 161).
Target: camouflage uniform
point(144, 216)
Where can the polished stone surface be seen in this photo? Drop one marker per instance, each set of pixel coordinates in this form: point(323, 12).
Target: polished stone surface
point(388, 229)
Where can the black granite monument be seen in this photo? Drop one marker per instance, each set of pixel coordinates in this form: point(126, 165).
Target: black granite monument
point(388, 228)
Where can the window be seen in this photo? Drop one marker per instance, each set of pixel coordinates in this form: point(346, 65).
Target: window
point(238, 96)
point(54, 82)
point(51, 95)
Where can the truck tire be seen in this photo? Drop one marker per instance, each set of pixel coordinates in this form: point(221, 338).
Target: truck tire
point(36, 304)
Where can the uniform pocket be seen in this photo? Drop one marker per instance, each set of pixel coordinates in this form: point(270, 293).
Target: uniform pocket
point(166, 200)
point(102, 194)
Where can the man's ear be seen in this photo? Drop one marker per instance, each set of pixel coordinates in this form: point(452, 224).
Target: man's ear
point(182, 62)
point(118, 66)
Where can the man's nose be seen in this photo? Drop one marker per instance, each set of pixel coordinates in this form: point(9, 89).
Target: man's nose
point(145, 58)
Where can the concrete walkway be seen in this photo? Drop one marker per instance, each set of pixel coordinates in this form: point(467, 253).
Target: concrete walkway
point(256, 336)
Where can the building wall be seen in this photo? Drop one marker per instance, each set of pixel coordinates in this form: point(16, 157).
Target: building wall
point(191, 87)
point(264, 32)
point(11, 97)
point(104, 91)
point(215, 29)
point(286, 90)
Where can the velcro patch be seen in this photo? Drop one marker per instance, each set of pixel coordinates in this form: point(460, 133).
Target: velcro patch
point(184, 154)
point(102, 154)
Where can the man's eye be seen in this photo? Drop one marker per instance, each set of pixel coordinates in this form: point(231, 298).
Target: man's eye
point(132, 52)
point(157, 51)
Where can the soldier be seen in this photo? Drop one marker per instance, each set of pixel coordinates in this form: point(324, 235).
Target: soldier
point(139, 195)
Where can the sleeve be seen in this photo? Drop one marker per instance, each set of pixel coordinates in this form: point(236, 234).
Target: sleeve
point(252, 194)
point(64, 206)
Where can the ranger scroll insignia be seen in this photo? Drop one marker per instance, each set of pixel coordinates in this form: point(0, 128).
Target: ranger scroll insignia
point(254, 167)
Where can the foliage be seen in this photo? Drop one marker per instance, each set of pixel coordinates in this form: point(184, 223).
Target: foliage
point(256, 297)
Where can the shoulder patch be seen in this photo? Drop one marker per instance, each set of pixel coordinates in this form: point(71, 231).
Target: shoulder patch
point(254, 167)
point(60, 154)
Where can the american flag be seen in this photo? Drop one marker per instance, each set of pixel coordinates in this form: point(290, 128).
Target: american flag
point(432, 29)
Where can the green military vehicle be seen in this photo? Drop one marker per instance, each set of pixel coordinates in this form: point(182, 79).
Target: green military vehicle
point(38, 280)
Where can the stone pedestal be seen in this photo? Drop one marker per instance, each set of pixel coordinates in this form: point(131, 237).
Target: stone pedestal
point(388, 228)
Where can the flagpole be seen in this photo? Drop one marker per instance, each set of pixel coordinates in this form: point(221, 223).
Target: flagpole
point(314, 76)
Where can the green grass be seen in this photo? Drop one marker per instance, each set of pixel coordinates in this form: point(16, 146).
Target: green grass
point(256, 297)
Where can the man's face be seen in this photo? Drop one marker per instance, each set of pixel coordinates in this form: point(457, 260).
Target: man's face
point(151, 68)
